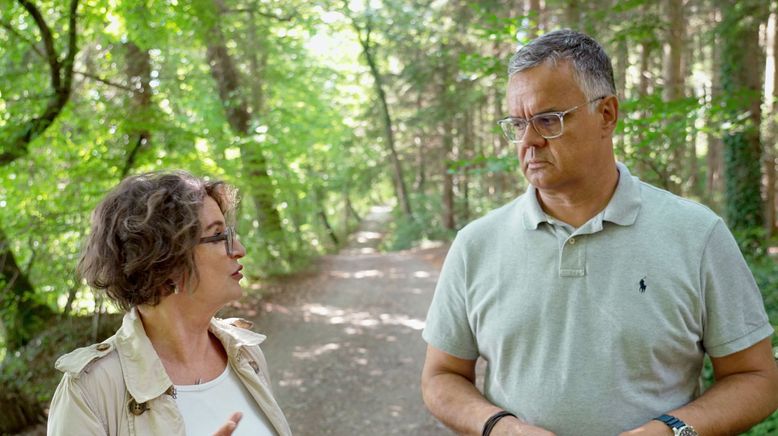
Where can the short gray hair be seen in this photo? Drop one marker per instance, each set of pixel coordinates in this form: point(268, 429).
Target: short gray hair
point(592, 68)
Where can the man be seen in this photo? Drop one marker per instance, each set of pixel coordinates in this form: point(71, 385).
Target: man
point(593, 297)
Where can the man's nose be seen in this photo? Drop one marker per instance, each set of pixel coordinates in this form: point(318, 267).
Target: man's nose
point(530, 140)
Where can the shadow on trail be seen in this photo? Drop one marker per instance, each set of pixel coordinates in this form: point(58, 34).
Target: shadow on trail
point(344, 345)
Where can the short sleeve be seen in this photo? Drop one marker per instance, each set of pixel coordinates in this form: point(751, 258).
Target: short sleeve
point(735, 317)
point(447, 327)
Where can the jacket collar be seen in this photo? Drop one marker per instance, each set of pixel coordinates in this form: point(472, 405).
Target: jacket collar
point(144, 374)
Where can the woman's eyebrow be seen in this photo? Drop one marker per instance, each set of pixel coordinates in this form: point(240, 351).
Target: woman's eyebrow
point(214, 224)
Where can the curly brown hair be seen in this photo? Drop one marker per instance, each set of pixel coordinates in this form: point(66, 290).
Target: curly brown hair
point(144, 232)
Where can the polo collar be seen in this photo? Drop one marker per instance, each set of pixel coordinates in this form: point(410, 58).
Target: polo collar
point(622, 209)
point(625, 204)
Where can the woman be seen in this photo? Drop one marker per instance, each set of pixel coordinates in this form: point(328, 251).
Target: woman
point(163, 251)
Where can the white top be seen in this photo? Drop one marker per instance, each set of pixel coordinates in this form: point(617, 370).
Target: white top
point(206, 407)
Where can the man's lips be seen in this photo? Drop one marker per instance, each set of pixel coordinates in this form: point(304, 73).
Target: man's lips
point(536, 164)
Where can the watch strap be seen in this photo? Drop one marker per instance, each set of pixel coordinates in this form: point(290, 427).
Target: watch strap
point(671, 421)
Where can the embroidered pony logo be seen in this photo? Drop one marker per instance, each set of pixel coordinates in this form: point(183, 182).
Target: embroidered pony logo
point(643, 286)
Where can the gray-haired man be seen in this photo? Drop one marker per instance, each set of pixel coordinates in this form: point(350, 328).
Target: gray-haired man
point(593, 296)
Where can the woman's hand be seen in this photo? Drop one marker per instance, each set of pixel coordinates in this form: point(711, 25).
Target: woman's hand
point(230, 426)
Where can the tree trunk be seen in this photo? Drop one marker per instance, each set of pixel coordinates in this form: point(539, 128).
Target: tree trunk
point(534, 11)
point(715, 159)
point(674, 87)
point(622, 62)
point(23, 316)
point(420, 183)
point(573, 14)
point(771, 197)
point(255, 168)
point(322, 213)
point(399, 181)
point(139, 77)
point(449, 221)
point(741, 80)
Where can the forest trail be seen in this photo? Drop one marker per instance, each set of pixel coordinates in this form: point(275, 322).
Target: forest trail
point(344, 343)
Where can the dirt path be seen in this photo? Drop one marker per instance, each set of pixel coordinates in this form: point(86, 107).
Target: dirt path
point(344, 345)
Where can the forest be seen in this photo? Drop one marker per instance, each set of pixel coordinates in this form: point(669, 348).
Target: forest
point(317, 110)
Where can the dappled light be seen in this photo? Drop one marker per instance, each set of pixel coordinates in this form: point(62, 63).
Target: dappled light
point(317, 351)
point(351, 340)
point(362, 136)
point(333, 315)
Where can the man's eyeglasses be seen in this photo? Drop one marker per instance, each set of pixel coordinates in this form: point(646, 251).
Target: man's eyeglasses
point(549, 125)
point(228, 236)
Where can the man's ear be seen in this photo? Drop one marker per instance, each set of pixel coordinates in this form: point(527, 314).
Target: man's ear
point(610, 114)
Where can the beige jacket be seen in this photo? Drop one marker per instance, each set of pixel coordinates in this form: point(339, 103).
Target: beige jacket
point(119, 387)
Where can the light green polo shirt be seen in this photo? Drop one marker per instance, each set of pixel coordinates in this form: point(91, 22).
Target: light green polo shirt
point(596, 330)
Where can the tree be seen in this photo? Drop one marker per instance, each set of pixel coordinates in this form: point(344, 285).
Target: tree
point(236, 108)
point(741, 80)
point(22, 314)
point(364, 33)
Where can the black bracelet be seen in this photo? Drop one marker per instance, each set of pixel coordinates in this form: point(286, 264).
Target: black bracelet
point(491, 422)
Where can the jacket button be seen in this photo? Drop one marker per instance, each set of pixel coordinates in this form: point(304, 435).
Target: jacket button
point(254, 366)
point(136, 408)
point(103, 346)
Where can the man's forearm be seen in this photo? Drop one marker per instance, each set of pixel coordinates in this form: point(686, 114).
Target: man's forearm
point(456, 402)
point(732, 405)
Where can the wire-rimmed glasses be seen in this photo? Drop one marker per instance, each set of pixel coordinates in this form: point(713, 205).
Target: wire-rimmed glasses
point(549, 125)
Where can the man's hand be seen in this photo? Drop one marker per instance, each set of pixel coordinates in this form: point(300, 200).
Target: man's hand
point(230, 426)
point(510, 426)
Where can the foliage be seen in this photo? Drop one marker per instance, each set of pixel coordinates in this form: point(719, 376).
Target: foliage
point(313, 117)
point(29, 372)
point(318, 159)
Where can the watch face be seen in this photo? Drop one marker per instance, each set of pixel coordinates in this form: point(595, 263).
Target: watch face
point(687, 431)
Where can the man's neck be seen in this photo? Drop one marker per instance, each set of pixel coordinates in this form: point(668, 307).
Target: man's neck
point(579, 206)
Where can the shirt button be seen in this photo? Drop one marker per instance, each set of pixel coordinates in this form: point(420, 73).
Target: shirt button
point(571, 241)
point(103, 347)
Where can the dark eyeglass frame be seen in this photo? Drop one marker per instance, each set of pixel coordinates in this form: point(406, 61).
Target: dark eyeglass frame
point(228, 236)
point(507, 123)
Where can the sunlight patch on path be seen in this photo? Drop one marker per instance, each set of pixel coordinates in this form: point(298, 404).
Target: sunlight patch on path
point(334, 315)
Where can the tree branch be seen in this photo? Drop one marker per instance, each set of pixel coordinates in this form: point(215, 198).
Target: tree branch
point(61, 80)
point(23, 38)
point(48, 41)
point(255, 10)
point(104, 81)
point(70, 57)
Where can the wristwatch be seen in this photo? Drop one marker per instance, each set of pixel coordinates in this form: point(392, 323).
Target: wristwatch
point(679, 427)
